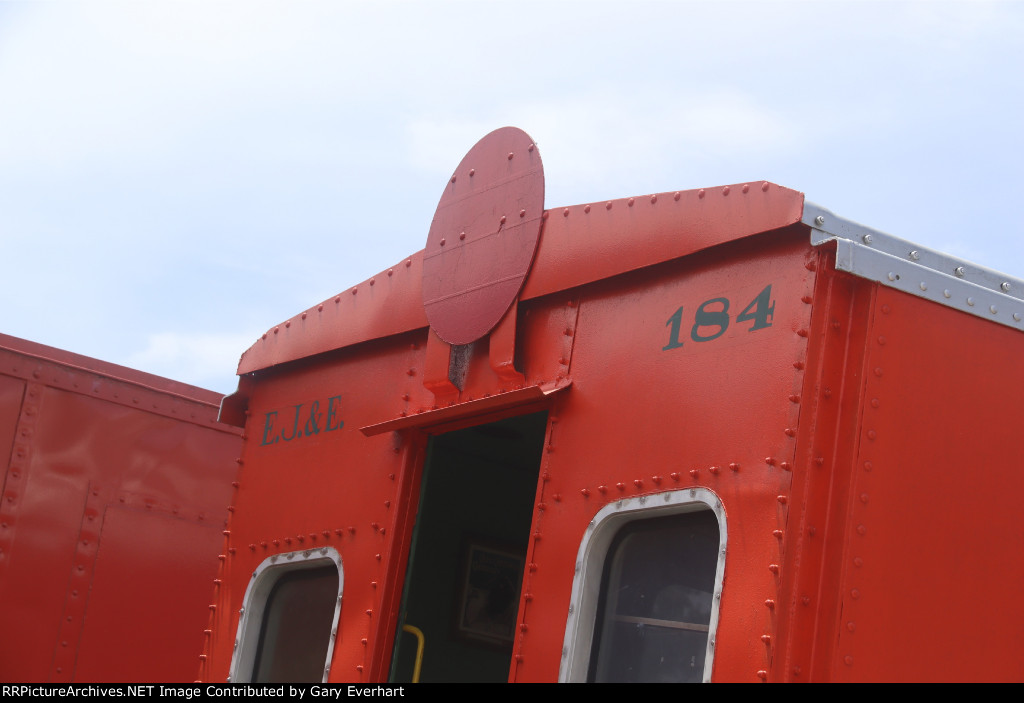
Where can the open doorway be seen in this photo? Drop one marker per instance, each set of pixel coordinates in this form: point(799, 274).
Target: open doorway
point(465, 570)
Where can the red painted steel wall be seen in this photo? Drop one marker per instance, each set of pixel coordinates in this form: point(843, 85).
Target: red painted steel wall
point(636, 414)
point(114, 499)
point(931, 560)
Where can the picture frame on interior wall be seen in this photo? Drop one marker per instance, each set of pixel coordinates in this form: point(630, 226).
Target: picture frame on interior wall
point(488, 597)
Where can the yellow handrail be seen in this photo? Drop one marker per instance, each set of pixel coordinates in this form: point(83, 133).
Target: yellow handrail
point(421, 642)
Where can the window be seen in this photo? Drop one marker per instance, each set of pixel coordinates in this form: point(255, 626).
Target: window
point(287, 629)
point(645, 597)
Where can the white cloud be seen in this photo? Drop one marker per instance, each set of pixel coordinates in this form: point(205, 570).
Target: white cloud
point(207, 360)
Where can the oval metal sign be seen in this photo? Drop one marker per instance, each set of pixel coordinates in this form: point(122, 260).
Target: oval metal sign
point(483, 236)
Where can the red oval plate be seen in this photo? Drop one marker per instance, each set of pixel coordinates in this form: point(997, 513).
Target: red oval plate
point(484, 236)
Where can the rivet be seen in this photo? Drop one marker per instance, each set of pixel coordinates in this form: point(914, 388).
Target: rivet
point(914, 256)
point(654, 199)
point(530, 148)
point(774, 568)
point(442, 241)
point(946, 293)
point(794, 399)
point(621, 486)
point(886, 309)
point(522, 213)
point(453, 179)
point(878, 371)
point(806, 600)
point(630, 202)
point(391, 272)
point(304, 314)
point(851, 626)
point(872, 434)
point(674, 475)
point(858, 562)
point(694, 473)
point(992, 309)
point(586, 208)
point(746, 188)
point(819, 461)
point(372, 281)
point(1005, 285)
point(584, 492)
point(510, 155)
point(784, 465)
point(565, 212)
point(781, 499)
point(798, 365)
point(770, 604)
point(827, 392)
point(778, 534)
point(713, 469)
point(502, 219)
point(638, 483)
point(923, 286)
point(769, 460)
point(472, 172)
point(608, 205)
point(970, 301)
point(848, 660)
point(863, 497)
point(762, 674)
point(320, 308)
point(408, 263)
point(819, 220)
point(354, 291)
point(881, 340)
point(855, 593)
point(1016, 316)
point(893, 276)
point(861, 530)
point(868, 238)
point(789, 432)
point(767, 639)
point(725, 190)
point(801, 333)
point(959, 271)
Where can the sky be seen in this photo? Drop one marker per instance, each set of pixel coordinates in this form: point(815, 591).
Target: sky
point(178, 177)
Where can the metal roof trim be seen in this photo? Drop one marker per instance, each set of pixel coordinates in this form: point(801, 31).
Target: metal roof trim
point(925, 273)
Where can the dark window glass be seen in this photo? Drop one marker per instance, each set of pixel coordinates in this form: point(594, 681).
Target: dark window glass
point(655, 605)
point(296, 629)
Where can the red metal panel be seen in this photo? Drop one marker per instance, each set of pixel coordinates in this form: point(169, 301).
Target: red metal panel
point(483, 236)
point(932, 567)
point(641, 419)
point(85, 440)
point(129, 611)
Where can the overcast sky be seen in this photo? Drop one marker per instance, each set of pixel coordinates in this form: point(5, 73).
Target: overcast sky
point(178, 177)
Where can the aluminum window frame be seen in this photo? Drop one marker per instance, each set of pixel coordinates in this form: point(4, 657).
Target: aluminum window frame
point(590, 561)
point(264, 578)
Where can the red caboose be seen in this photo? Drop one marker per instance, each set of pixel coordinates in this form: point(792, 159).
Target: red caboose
point(114, 501)
point(715, 434)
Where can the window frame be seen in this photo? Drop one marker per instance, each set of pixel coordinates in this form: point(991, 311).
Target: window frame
point(590, 562)
point(261, 585)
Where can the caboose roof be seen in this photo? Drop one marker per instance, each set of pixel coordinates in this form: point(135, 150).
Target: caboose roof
point(580, 244)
